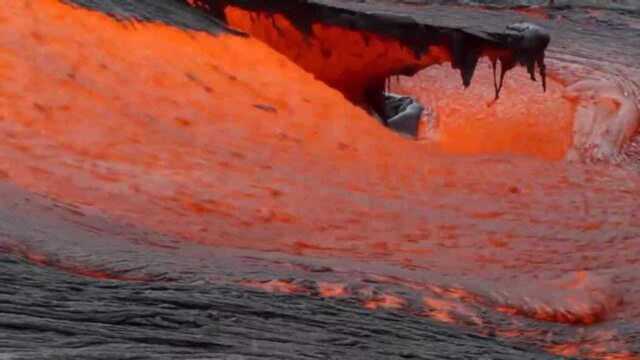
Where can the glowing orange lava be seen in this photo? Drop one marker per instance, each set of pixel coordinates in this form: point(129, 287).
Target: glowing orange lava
point(524, 120)
point(223, 141)
point(37, 258)
point(332, 289)
point(385, 301)
point(348, 60)
point(275, 286)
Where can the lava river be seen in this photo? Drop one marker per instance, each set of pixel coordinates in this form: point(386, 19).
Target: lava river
point(173, 187)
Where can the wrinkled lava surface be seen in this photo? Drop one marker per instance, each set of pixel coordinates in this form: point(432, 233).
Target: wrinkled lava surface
point(239, 201)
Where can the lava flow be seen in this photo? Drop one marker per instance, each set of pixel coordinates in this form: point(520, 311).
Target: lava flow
point(221, 141)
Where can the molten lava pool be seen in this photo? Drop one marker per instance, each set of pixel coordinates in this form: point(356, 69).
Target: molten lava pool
point(155, 159)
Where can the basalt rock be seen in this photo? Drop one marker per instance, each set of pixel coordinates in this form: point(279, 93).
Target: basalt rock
point(391, 41)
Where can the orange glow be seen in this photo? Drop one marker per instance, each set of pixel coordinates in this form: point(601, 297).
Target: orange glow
point(440, 310)
point(523, 121)
point(450, 311)
point(345, 59)
point(545, 313)
point(592, 351)
point(199, 108)
point(534, 12)
point(332, 289)
point(36, 258)
point(275, 286)
point(225, 142)
point(585, 300)
point(467, 117)
point(385, 301)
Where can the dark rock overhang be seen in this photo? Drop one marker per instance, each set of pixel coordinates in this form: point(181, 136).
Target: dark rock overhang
point(514, 44)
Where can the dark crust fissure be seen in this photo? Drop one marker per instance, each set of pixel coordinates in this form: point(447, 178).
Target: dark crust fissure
point(522, 44)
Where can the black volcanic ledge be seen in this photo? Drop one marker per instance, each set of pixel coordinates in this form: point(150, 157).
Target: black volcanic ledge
point(417, 29)
point(174, 13)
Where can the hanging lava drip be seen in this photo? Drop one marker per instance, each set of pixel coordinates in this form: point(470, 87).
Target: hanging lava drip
point(531, 45)
point(357, 53)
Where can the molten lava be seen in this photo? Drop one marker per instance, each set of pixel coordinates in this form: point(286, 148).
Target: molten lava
point(223, 141)
point(352, 61)
point(523, 121)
